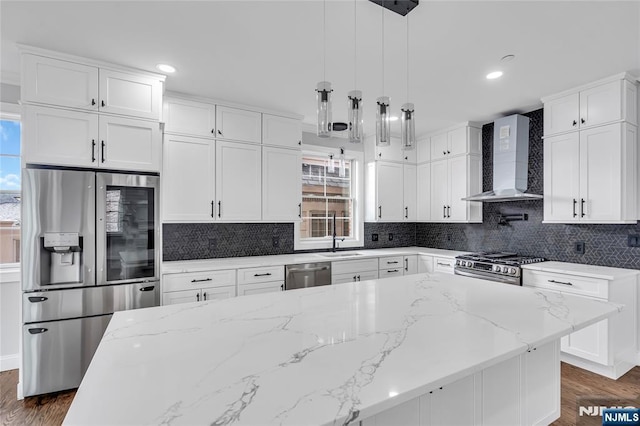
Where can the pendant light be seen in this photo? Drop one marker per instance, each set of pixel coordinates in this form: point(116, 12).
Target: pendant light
point(332, 167)
point(342, 168)
point(354, 106)
point(407, 123)
point(323, 88)
point(383, 112)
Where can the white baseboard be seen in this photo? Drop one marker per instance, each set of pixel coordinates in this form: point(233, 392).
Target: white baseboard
point(9, 362)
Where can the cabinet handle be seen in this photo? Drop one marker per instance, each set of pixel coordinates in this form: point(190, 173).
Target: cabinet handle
point(448, 152)
point(560, 282)
point(448, 211)
point(102, 151)
point(220, 133)
point(212, 209)
point(380, 154)
point(102, 103)
point(204, 295)
point(219, 208)
point(93, 101)
point(354, 278)
point(574, 207)
point(582, 120)
point(444, 212)
point(213, 131)
point(444, 152)
point(443, 264)
point(392, 270)
point(299, 142)
point(392, 263)
point(379, 212)
point(93, 150)
point(281, 287)
point(198, 297)
point(358, 277)
point(406, 158)
point(406, 212)
point(202, 280)
point(582, 213)
point(406, 265)
point(262, 275)
point(575, 123)
point(300, 210)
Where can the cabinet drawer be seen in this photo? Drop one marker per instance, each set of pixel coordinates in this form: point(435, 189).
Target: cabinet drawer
point(388, 273)
point(354, 277)
point(391, 262)
point(567, 283)
point(197, 280)
point(443, 264)
point(350, 266)
point(261, 274)
point(260, 288)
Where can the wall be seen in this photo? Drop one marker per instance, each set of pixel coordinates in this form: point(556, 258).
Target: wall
point(605, 245)
point(9, 93)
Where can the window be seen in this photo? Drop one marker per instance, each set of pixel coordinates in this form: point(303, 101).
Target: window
point(10, 184)
point(329, 202)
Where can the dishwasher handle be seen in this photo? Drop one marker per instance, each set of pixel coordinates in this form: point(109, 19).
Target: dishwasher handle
point(320, 268)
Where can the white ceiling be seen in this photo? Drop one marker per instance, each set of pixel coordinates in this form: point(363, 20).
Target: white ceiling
point(269, 53)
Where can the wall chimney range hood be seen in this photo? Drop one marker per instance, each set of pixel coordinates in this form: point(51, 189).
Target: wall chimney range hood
point(510, 161)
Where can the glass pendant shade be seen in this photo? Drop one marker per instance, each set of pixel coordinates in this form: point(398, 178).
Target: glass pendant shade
point(355, 116)
point(408, 127)
point(332, 166)
point(323, 96)
point(342, 167)
point(383, 121)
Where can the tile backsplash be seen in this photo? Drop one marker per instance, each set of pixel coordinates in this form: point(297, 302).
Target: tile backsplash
point(604, 244)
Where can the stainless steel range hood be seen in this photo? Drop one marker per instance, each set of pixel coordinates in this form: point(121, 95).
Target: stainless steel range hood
point(510, 161)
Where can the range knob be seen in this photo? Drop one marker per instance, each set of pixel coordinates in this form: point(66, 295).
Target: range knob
point(469, 264)
point(458, 262)
point(498, 269)
point(512, 271)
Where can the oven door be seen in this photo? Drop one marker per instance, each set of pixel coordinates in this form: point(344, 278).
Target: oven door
point(127, 228)
point(488, 276)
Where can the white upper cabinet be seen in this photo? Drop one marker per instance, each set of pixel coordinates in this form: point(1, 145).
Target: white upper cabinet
point(393, 152)
point(54, 82)
point(457, 141)
point(451, 180)
point(384, 192)
point(410, 201)
point(281, 131)
point(238, 124)
point(423, 150)
point(238, 181)
point(130, 94)
point(606, 101)
point(129, 144)
point(561, 177)
point(281, 184)
point(189, 118)
point(188, 179)
point(423, 192)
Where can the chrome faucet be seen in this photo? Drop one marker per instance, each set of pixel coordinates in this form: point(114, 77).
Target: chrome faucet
point(334, 234)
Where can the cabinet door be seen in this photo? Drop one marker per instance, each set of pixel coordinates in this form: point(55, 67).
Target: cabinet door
point(443, 264)
point(281, 184)
point(344, 278)
point(423, 150)
point(188, 179)
point(189, 118)
point(457, 140)
point(410, 156)
point(601, 174)
point(218, 293)
point(129, 144)
point(410, 201)
point(455, 404)
point(561, 115)
point(55, 82)
point(389, 190)
point(367, 275)
point(590, 343)
point(562, 177)
point(411, 264)
point(601, 104)
point(185, 296)
point(423, 192)
point(281, 131)
point(407, 413)
point(459, 174)
point(541, 385)
point(425, 264)
point(259, 288)
point(439, 146)
point(393, 152)
point(60, 137)
point(501, 396)
point(439, 190)
point(238, 124)
point(130, 94)
point(238, 181)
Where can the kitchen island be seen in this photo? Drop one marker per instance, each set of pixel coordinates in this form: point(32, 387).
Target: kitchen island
point(371, 351)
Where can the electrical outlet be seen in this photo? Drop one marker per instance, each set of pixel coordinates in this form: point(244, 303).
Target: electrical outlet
point(633, 240)
point(213, 244)
point(390, 236)
point(579, 247)
point(374, 237)
point(448, 237)
point(275, 242)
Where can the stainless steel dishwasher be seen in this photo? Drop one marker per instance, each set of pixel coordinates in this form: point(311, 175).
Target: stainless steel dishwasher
point(305, 275)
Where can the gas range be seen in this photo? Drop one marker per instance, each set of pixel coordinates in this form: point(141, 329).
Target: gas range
point(494, 266)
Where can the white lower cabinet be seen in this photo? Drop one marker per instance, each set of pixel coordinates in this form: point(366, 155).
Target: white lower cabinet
point(425, 264)
point(198, 286)
point(524, 390)
point(259, 288)
point(354, 277)
point(443, 264)
point(390, 266)
point(410, 264)
point(266, 279)
point(354, 270)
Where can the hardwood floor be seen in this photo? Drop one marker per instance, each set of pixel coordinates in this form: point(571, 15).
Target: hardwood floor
point(51, 409)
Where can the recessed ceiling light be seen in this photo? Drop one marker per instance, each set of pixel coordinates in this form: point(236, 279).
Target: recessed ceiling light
point(166, 68)
point(494, 74)
point(393, 118)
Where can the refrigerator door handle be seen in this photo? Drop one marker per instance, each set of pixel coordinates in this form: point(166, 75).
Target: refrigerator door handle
point(148, 288)
point(38, 330)
point(37, 299)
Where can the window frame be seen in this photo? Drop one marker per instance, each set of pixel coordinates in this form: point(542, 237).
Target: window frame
point(357, 195)
point(10, 272)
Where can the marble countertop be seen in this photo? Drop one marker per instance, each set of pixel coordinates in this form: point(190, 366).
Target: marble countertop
point(323, 355)
point(592, 271)
point(200, 265)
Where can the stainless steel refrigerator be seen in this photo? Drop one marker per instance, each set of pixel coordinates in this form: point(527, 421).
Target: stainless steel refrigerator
point(90, 247)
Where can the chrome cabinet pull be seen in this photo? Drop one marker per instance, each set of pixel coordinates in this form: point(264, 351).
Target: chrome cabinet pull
point(574, 205)
point(560, 282)
point(444, 264)
point(93, 150)
point(202, 280)
point(582, 213)
point(262, 275)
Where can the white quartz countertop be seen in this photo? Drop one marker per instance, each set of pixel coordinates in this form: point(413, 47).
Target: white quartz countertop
point(322, 355)
point(592, 271)
point(290, 259)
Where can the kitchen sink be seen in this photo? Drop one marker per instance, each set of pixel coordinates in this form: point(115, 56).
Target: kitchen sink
point(338, 255)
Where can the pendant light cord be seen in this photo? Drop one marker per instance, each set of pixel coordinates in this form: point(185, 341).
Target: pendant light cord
point(355, 46)
point(324, 40)
point(382, 47)
point(407, 58)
